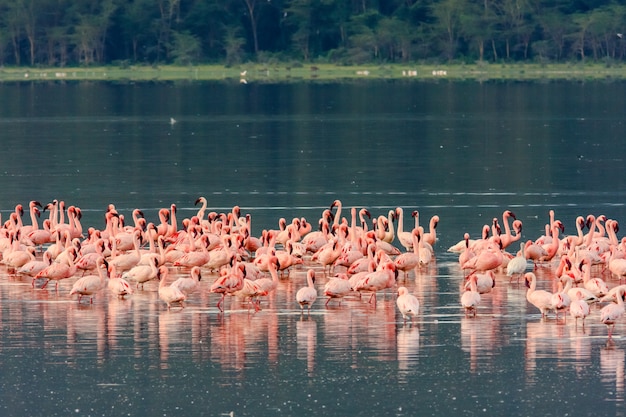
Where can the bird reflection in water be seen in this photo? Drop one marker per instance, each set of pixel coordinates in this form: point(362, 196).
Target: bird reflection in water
point(558, 342)
point(478, 338)
point(612, 371)
point(407, 345)
point(86, 329)
point(306, 340)
point(172, 331)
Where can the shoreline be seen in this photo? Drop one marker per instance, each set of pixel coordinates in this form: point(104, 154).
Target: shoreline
point(283, 72)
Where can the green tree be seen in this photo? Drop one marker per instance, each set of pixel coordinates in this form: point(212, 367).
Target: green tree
point(93, 21)
point(299, 19)
point(447, 22)
point(513, 18)
point(186, 48)
point(606, 22)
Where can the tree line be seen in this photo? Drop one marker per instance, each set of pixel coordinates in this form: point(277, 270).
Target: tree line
point(186, 32)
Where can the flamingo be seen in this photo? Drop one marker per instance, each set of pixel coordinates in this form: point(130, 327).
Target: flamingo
point(141, 274)
point(613, 312)
point(88, 261)
point(405, 238)
point(553, 247)
point(561, 299)
point(578, 308)
point(306, 296)
point(467, 253)
point(337, 287)
point(117, 285)
point(430, 237)
point(507, 237)
point(189, 284)
point(90, 284)
point(314, 241)
point(250, 291)
point(534, 252)
point(487, 259)
point(39, 236)
point(202, 209)
point(229, 282)
point(517, 265)
point(541, 299)
point(57, 271)
point(597, 286)
point(383, 277)
point(270, 284)
point(18, 255)
point(167, 293)
point(484, 282)
point(34, 213)
point(195, 258)
point(34, 266)
point(470, 299)
point(409, 260)
point(408, 304)
point(327, 255)
point(124, 262)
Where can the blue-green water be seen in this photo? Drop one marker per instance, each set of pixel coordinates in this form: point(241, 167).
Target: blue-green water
point(465, 152)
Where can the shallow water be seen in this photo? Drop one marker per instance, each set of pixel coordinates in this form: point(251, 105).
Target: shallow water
point(463, 151)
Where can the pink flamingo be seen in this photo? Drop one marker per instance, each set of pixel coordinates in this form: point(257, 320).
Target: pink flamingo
point(409, 260)
point(384, 277)
point(470, 299)
point(195, 258)
point(337, 287)
point(430, 237)
point(613, 312)
point(541, 299)
point(306, 296)
point(408, 304)
point(167, 293)
point(57, 271)
point(189, 284)
point(228, 282)
point(90, 284)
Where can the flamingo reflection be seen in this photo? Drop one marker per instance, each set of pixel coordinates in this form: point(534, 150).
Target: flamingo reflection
point(407, 345)
point(612, 370)
point(306, 341)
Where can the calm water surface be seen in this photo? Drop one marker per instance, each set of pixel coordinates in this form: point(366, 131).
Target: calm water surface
point(465, 152)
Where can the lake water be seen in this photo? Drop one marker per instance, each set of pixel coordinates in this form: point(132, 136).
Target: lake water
point(463, 151)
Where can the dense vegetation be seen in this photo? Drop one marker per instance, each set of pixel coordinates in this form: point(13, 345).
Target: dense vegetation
point(123, 32)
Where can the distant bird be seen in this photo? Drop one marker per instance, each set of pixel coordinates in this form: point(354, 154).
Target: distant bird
point(517, 266)
point(470, 299)
point(189, 284)
point(167, 293)
point(337, 287)
point(90, 284)
point(620, 35)
point(541, 299)
point(172, 121)
point(613, 312)
point(578, 308)
point(484, 282)
point(408, 304)
point(306, 296)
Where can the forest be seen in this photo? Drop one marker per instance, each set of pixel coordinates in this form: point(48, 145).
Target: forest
point(60, 33)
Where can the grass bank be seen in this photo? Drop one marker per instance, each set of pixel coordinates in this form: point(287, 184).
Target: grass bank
point(247, 73)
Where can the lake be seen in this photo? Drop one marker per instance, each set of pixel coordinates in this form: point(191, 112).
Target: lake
point(463, 151)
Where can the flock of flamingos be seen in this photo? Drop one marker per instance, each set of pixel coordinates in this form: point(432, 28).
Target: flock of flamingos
point(357, 254)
